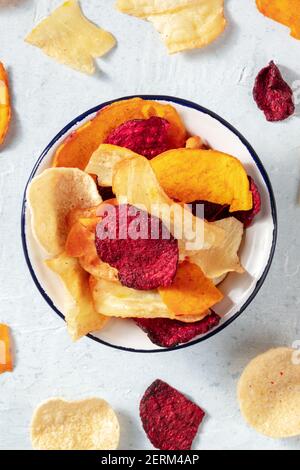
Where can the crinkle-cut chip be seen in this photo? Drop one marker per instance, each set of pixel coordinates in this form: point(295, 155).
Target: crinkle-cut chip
point(5, 107)
point(6, 361)
point(51, 196)
point(268, 393)
point(70, 38)
point(273, 95)
point(144, 8)
point(89, 424)
point(191, 292)
point(147, 137)
point(114, 300)
point(168, 333)
point(286, 12)
point(192, 27)
point(80, 316)
point(139, 246)
point(188, 175)
point(135, 182)
point(78, 148)
point(170, 420)
point(223, 259)
point(103, 161)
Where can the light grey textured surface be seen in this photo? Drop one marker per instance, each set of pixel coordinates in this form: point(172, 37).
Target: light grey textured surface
point(46, 96)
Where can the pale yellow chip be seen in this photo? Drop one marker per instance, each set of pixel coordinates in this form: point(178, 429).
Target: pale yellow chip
point(134, 182)
point(89, 424)
point(144, 8)
point(103, 161)
point(192, 27)
point(70, 38)
point(269, 393)
point(217, 262)
point(51, 196)
point(81, 316)
point(114, 300)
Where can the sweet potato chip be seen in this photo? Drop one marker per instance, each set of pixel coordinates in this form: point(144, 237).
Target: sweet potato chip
point(188, 175)
point(51, 196)
point(103, 161)
point(114, 300)
point(191, 293)
point(268, 393)
point(78, 241)
point(5, 108)
point(70, 38)
point(89, 424)
point(81, 317)
point(78, 148)
point(6, 362)
point(223, 259)
point(286, 12)
point(144, 8)
point(191, 27)
point(135, 181)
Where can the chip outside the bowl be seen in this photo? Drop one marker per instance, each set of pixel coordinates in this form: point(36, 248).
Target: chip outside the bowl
point(89, 424)
point(70, 38)
point(144, 8)
point(269, 393)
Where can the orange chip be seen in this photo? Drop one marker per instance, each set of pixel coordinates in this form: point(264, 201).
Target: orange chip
point(6, 363)
point(76, 214)
point(188, 175)
point(78, 148)
point(191, 292)
point(5, 108)
point(79, 240)
point(286, 12)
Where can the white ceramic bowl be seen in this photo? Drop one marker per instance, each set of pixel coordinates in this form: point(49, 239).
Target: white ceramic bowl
point(256, 252)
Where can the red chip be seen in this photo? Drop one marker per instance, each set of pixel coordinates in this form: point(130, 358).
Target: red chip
point(170, 420)
point(272, 94)
point(148, 137)
point(214, 212)
point(139, 246)
point(169, 333)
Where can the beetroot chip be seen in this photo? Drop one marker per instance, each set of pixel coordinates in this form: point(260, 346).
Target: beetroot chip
point(247, 216)
point(170, 420)
point(169, 333)
point(139, 246)
point(148, 137)
point(273, 95)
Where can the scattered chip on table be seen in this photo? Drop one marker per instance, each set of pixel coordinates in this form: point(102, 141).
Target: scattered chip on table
point(6, 361)
point(286, 12)
point(5, 107)
point(70, 38)
point(170, 420)
point(89, 424)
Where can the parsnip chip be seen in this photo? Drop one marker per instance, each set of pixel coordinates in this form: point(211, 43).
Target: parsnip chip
point(5, 107)
point(191, 293)
point(81, 318)
point(103, 161)
point(286, 12)
point(189, 175)
point(78, 148)
point(70, 38)
point(135, 182)
point(89, 424)
point(144, 8)
point(192, 27)
point(114, 300)
point(6, 360)
point(268, 393)
point(223, 259)
point(51, 196)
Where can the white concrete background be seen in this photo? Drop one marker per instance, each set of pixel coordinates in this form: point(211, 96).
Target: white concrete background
point(46, 96)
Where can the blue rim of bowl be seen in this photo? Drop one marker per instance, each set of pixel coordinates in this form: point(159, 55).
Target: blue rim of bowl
point(188, 104)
